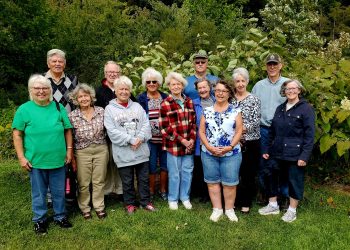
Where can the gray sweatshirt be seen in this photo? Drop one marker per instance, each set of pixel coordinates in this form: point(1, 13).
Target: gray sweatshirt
point(124, 126)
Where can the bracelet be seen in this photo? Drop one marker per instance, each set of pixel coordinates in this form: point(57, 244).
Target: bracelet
point(69, 147)
point(232, 146)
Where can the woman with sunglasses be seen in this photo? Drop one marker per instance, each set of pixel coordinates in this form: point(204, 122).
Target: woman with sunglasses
point(150, 100)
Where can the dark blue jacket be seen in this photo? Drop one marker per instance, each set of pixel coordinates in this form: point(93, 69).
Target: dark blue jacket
point(292, 132)
point(143, 99)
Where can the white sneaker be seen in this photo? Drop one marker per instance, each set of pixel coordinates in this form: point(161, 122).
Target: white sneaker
point(173, 205)
point(289, 216)
point(230, 213)
point(267, 210)
point(217, 213)
point(187, 204)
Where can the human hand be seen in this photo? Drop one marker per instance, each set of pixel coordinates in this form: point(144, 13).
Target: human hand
point(301, 163)
point(25, 164)
point(74, 164)
point(137, 144)
point(266, 156)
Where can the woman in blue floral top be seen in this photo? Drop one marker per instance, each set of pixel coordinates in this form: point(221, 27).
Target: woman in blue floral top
point(220, 132)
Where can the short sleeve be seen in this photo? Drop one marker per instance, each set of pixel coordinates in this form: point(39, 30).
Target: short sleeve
point(65, 119)
point(18, 121)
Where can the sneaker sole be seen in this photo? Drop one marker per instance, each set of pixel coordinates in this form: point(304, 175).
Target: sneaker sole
point(274, 212)
point(289, 221)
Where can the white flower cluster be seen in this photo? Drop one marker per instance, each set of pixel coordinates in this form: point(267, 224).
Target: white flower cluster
point(345, 104)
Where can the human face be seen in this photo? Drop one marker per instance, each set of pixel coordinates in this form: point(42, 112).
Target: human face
point(123, 93)
point(152, 84)
point(240, 84)
point(112, 72)
point(40, 93)
point(200, 65)
point(221, 93)
point(175, 87)
point(273, 69)
point(203, 89)
point(56, 64)
point(84, 99)
point(292, 92)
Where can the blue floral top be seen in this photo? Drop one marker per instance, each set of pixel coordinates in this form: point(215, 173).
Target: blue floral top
point(220, 128)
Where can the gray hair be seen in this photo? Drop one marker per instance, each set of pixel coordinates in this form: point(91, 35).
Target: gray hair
point(122, 80)
point(57, 52)
point(73, 96)
point(199, 80)
point(151, 72)
point(284, 86)
point(36, 78)
point(177, 77)
point(111, 62)
point(240, 72)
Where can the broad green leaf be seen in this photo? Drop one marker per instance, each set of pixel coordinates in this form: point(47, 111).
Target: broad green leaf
point(232, 64)
point(214, 69)
point(250, 43)
point(129, 65)
point(342, 147)
point(329, 70)
point(160, 48)
point(251, 61)
point(255, 32)
point(220, 46)
point(344, 65)
point(233, 44)
point(138, 59)
point(342, 115)
point(326, 127)
point(326, 142)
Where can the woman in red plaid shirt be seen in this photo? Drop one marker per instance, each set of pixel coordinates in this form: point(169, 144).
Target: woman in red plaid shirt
point(178, 126)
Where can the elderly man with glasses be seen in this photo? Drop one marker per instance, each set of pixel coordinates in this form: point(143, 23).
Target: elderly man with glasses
point(200, 63)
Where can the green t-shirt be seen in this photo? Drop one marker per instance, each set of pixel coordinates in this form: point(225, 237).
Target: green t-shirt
point(43, 133)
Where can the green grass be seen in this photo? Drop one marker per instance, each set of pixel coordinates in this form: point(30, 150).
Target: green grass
point(320, 224)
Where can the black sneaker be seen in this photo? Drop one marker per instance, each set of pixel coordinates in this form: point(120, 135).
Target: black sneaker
point(64, 223)
point(40, 228)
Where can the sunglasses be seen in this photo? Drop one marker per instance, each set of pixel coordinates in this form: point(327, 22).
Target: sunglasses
point(154, 82)
point(200, 62)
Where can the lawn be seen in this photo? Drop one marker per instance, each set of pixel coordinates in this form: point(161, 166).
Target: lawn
point(323, 223)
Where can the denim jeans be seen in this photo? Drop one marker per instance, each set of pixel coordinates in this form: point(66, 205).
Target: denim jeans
point(263, 171)
point(41, 180)
point(155, 153)
point(127, 175)
point(180, 176)
point(223, 170)
point(286, 172)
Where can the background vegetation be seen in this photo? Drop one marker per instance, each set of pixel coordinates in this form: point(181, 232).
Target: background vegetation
point(312, 37)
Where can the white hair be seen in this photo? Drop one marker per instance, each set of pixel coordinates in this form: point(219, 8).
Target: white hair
point(149, 73)
point(57, 52)
point(123, 80)
point(240, 72)
point(177, 76)
point(36, 78)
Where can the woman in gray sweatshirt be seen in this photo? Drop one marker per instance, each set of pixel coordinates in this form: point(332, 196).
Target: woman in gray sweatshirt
point(129, 130)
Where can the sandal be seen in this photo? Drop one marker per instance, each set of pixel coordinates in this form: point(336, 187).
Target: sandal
point(87, 215)
point(101, 214)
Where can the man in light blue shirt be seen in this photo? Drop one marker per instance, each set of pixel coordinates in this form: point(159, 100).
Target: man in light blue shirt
point(200, 63)
point(268, 90)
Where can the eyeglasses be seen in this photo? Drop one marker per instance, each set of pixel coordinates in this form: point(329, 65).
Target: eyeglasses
point(42, 89)
point(200, 62)
point(113, 72)
point(220, 91)
point(154, 82)
point(291, 89)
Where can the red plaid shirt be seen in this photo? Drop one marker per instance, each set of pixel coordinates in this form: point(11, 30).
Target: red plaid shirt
point(176, 124)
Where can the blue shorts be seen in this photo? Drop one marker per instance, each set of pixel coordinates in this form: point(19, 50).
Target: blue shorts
point(223, 170)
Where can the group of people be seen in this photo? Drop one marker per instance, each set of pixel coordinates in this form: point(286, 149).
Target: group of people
point(209, 138)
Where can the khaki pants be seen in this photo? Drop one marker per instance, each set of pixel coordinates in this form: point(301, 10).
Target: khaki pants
point(113, 183)
point(92, 167)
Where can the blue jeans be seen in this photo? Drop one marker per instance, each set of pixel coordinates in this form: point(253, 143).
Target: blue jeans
point(286, 172)
point(180, 176)
point(223, 170)
point(263, 170)
point(41, 180)
point(155, 153)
